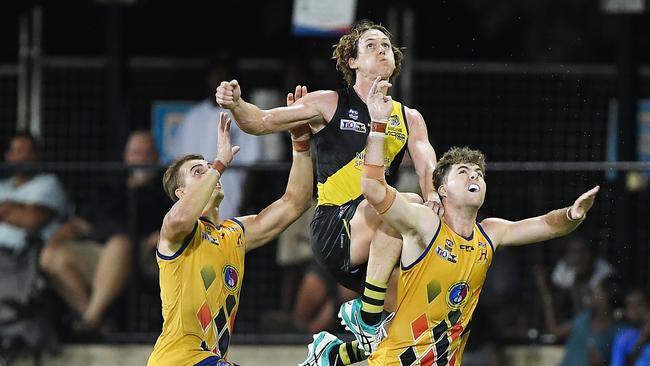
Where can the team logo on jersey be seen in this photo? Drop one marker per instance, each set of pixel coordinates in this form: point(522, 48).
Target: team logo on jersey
point(393, 121)
point(449, 245)
point(457, 294)
point(482, 244)
point(482, 257)
point(350, 125)
point(230, 277)
point(353, 114)
point(446, 255)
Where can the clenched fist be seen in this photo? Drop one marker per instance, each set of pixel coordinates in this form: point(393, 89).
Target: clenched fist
point(228, 94)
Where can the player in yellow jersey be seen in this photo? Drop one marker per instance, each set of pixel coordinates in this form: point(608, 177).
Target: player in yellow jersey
point(444, 261)
point(201, 256)
point(347, 236)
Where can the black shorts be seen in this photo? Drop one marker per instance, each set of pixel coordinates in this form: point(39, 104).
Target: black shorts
point(330, 243)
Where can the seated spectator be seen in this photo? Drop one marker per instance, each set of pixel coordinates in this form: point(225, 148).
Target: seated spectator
point(590, 334)
point(578, 273)
point(632, 343)
point(32, 206)
point(89, 258)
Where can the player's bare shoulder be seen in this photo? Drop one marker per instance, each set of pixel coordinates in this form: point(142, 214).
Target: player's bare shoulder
point(413, 116)
point(326, 101)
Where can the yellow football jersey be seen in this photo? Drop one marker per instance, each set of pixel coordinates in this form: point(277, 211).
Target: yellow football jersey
point(436, 297)
point(199, 288)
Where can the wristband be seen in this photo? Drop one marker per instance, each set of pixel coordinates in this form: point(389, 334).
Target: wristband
point(300, 146)
point(378, 126)
point(568, 215)
point(219, 166)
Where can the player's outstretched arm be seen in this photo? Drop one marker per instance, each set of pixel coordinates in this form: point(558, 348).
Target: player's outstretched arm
point(274, 219)
point(180, 219)
point(554, 224)
point(406, 217)
point(253, 120)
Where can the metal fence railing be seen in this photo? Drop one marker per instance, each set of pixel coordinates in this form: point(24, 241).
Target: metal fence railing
point(616, 229)
point(544, 129)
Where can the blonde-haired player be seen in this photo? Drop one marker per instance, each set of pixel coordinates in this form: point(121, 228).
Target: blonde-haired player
point(201, 256)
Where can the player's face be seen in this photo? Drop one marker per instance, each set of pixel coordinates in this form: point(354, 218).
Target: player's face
point(374, 55)
point(194, 171)
point(465, 185)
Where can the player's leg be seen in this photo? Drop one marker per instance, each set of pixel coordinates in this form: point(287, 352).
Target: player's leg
point(363, 315)
point(328, 350)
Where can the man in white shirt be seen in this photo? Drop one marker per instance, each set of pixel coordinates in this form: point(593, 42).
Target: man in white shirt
point(30, 202)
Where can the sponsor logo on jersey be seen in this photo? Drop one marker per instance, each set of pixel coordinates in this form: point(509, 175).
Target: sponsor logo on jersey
point(393, 121)
point(397, 135)
point(205, 235)
point(446, 255)
point(230, 277)
point(449, 245)
point(457, 294)
point(350, 125)
point(353, 114)
point(482, 244)
point(467, 248)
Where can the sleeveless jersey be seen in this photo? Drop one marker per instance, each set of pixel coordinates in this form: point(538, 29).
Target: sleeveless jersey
point(199, 289)
point(340, 148)
point(436, 297)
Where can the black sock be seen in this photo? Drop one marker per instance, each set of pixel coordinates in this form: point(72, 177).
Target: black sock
point(346, 354)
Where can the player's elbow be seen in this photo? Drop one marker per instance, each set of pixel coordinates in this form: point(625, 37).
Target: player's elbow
point(178, 225)
point(298, 201)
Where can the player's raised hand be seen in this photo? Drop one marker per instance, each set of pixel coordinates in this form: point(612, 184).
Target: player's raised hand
point(300, 92)
point(228, 94)
point(225, 150)
point(436, 205)
point(582, 205)
point(379, 104)
point(302, 132)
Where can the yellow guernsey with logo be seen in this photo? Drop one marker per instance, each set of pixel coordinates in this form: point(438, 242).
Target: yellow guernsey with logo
point(436, 297)
point(199, 288)
point(340, 148)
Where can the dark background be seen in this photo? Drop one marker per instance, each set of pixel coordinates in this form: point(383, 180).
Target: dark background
point(574, 31)
point(538, 112)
